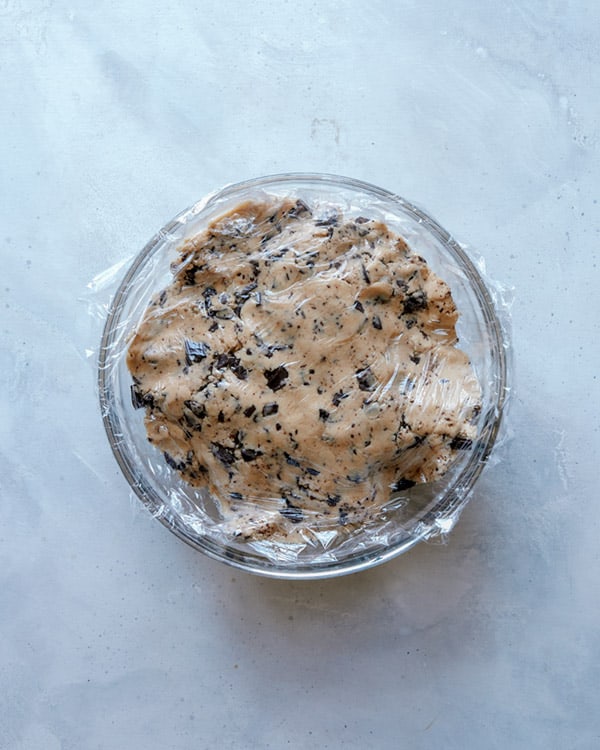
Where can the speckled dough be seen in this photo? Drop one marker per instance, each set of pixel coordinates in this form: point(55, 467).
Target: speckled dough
point(303, 367)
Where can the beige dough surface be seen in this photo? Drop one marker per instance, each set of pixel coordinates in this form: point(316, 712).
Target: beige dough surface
point(302, 367)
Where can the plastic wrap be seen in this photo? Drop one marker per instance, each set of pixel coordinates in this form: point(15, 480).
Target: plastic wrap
point(302, 375)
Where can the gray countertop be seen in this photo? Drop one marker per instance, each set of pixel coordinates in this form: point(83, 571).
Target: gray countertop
point(116, 115)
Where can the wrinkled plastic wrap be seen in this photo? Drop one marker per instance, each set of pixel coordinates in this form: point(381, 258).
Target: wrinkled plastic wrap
point(302, 375)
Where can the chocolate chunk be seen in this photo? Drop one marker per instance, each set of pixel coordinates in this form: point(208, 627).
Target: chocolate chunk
point(240, 371)
point(139, 399)
point(214, 327)
point(220, 417)
point(236, 496)
point(292, 512)
point(189, 276)
point(249, 411)
point(338, 396)
point(358, 306)
point(228, 359)
point(415, 358)
point(365, 274)
point(323, 415)
point(366, 379)
point(225, 455)
point(177, 465)
point(361, 220)
point(415, 301)
point(249, 454)
point(276, 378)
point(376, 322)
point(271, 408)
point(410, 322)
point(221, 361)
point(198, 410)
point(343, 517)
point(333, 500)
point(195, 351)
point(329, 220)
point(162, 298)
point(299, 209)
point(402, 484)
point(291, 461)
point(459, 443)
point(242, 295)
point(311, 471)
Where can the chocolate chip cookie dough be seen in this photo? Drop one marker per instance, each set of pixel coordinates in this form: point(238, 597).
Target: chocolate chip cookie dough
point(302, 366)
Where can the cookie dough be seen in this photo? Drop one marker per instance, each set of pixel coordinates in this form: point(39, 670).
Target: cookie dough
point(302, 366)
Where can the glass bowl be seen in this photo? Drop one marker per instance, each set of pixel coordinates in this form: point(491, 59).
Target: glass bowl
point(421, 511)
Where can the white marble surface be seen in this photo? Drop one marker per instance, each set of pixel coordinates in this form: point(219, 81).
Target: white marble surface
point(113, 634)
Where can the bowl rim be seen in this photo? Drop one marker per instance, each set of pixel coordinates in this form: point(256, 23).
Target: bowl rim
point(452, 501)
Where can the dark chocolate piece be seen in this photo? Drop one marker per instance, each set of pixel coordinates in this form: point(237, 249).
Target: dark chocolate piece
point(249, 454)
point(177, 465)
point(189, 275)
point(198, 410)
point(195, 351)
point(415, 301)
point(299, 209)
point(338, 396)
point(292, 512)
point(139, 399)
point(366, 379)
point(225, 455)
point(330, 220)
point(276, 378)
point(402, 484)
point(459, 443)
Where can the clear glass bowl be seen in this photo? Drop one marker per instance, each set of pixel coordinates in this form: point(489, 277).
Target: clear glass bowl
point(188, 512)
